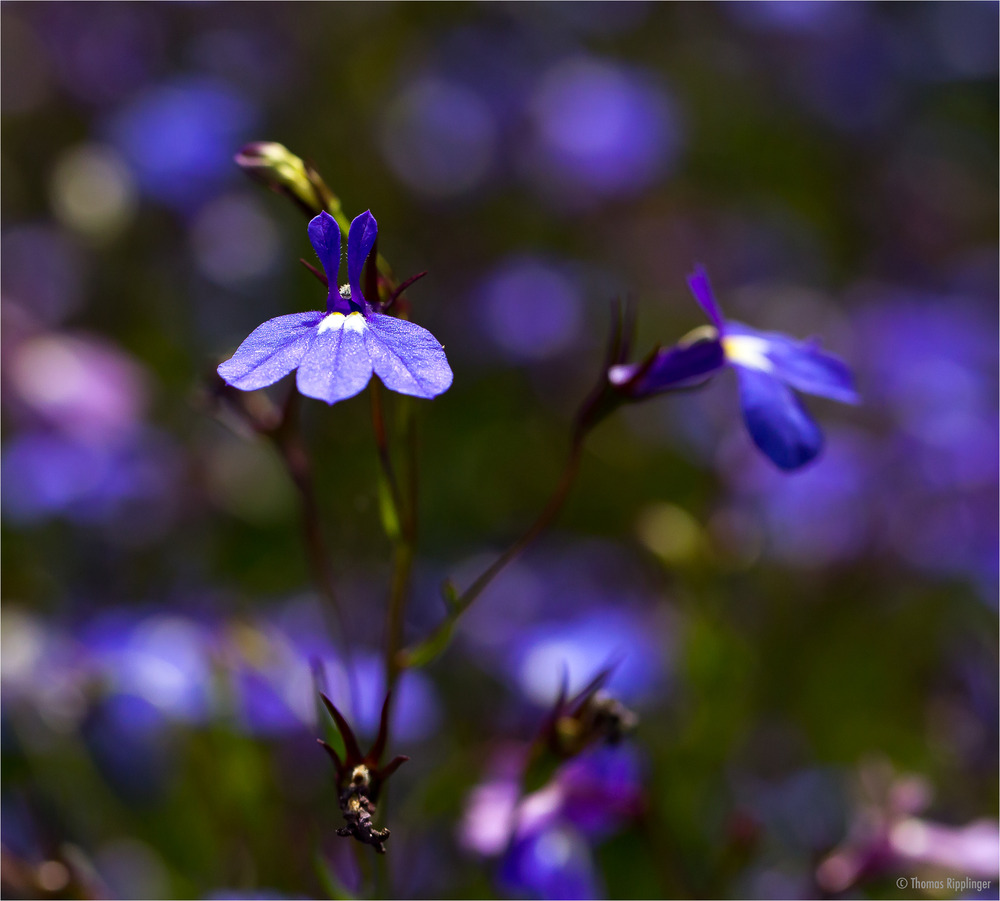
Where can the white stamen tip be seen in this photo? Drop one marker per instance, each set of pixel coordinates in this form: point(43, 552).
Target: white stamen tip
point(333, 321)
point(355, 322)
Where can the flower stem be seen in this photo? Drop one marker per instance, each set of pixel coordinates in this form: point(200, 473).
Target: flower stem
point(382, 446)
point(401, 527)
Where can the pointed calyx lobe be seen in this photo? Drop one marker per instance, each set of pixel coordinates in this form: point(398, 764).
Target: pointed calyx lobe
point(336, 353)
point(360, 777)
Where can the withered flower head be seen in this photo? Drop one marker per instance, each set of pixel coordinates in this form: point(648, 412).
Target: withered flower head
point(360, 777)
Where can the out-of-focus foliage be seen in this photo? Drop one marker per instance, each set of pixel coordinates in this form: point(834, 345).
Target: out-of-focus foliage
point(813, 655)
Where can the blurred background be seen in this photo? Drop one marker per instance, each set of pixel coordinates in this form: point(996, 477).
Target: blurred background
point(813, 657)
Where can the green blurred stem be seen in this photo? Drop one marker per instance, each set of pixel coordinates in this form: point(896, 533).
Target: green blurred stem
point(431, 646)
point(401, 527)
point(382, 446)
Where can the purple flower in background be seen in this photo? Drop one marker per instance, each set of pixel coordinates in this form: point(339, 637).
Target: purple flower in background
point(178, 138)
point(598, 129)
point(769, 365)
point(531, 289)
point(51, 475)
point(887, 836)
point(336, 352)
point(272, 664)
point(546, 838)
point(577, 647)
point(439, 137)
point(554, 862)
point(127, 737)
point(159, 658)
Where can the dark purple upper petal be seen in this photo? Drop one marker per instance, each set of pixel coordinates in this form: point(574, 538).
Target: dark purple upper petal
point(779, 425)
point(337, 365)
point(407, 357)
point(360, 240)
point(324, 234)
point(271, 351)
point(702, 290)
point(675, 367)
point(804, 365)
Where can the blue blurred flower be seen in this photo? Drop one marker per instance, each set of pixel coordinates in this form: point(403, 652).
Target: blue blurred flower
point(272, 663)
point(84, 452)
point(439, 137)
point(814, 519)
point(163, 659)
point(47, 475)
point(336, 352)
point(554, 862)
point(416, 713)
point(931, 363)
point(546, 837)
point(581, 646)
point(769, 366)
point(810, 17)
point(599, 129)
point(602, 789)
point(179, 138)
point(127, 737)
point(524, 290)
point(271, 677)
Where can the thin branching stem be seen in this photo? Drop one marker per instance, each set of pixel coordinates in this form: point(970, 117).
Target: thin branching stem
point(458, 606)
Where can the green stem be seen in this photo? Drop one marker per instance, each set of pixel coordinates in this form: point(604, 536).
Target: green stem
point(401, 572)
point(404, 534)
point(384, 455)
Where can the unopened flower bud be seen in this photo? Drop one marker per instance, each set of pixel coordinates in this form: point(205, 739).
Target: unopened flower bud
point(275, 166)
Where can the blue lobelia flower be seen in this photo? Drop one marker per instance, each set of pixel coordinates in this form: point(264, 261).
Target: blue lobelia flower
point(336, 352)
point(769, 365)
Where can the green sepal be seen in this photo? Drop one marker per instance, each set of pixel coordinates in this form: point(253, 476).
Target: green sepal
point(449, 594)
point(428, 650)
point(387, 510)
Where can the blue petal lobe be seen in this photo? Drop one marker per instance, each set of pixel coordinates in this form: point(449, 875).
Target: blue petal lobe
point(552, 861)
point(778, 424)
point(702, 290)
point(805, 366)
point(336, 366)
point(270, 351)
point(360, 240)
point(407, 357)
point(324, 235)
point(675, 367)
